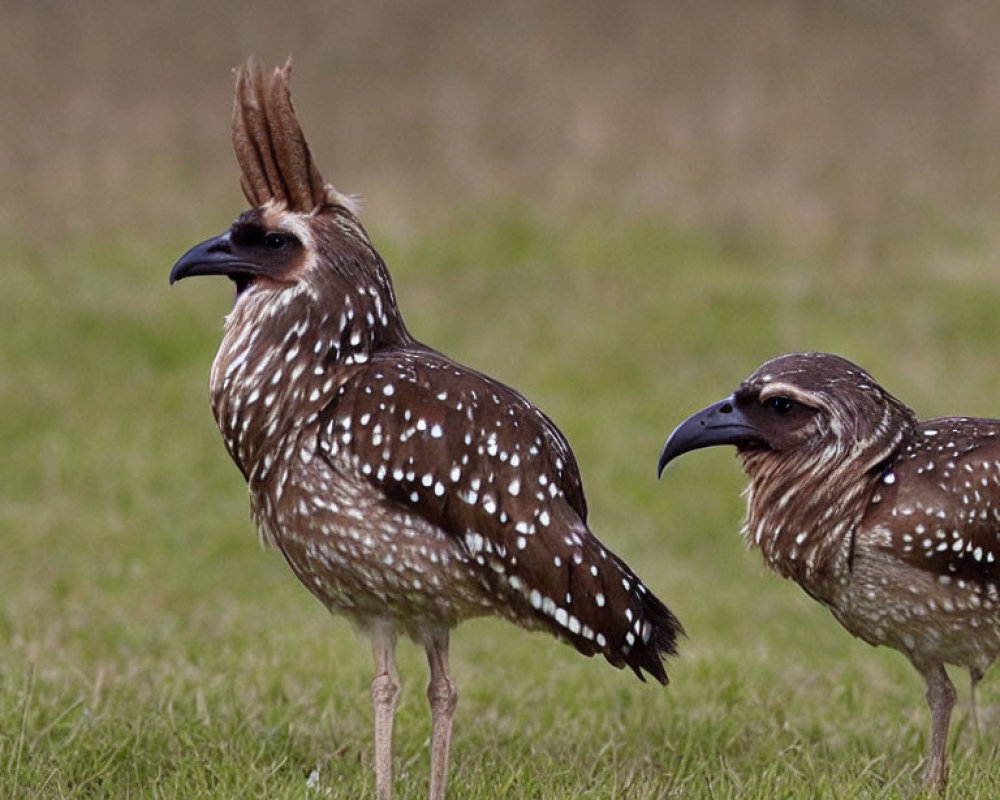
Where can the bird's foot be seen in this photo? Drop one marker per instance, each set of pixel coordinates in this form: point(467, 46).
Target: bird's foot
point(936, 775)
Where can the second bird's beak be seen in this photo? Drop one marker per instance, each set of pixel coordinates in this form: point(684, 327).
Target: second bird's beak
point(721, 423)
point(212, 257)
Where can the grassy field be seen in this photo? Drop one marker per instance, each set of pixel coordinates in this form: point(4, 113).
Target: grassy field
point(619, 211)
point(149, 648)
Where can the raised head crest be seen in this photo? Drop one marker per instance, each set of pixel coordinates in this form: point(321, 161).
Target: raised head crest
point(272, 153)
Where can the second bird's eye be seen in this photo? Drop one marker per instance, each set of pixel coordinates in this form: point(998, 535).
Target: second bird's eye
point(275, 241)
point(780, 405)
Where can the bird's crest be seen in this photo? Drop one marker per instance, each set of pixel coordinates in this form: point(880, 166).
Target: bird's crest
point(271, 150)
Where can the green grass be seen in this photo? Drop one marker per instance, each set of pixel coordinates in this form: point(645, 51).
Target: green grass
point(149, 648)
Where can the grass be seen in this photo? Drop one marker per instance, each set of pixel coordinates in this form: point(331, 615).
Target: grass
point(149, 648)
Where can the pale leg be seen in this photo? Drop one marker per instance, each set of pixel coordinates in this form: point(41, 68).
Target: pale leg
point(975, 676)
point(940, 700)
point(442, 694)
point(385, 694)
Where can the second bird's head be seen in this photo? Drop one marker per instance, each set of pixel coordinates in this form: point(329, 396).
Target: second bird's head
point(805, 409)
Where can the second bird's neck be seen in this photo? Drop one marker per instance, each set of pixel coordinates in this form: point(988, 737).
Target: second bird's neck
point(803, 516)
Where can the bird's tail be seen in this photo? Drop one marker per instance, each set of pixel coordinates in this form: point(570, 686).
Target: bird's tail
point(654, 632)
point(601, 606)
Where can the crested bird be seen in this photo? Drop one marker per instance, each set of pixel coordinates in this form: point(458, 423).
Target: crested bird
point(405, 491)
point(891, 522)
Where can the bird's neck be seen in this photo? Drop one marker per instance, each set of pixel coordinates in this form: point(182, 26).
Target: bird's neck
point(802, 512)
point(282, 360)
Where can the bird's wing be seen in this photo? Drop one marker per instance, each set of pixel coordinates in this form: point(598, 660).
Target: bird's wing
point(941, 500)
point(487, 467)
point(454, 428)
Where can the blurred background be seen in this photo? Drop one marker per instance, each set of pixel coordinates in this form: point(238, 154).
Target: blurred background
point(858, 129)
point(619, 208)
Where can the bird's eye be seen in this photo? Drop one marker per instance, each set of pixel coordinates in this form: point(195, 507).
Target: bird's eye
point(780, 404)
point(275, 241)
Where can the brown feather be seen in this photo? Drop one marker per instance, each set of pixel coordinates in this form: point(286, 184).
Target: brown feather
point(405, 490)
point(270, 148)
point(892, 523)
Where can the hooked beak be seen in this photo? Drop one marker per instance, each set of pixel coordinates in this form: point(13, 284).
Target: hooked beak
point(721, 423)
point(214, 257)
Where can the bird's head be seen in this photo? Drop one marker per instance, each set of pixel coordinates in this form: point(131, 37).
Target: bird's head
point(301, 235)
point(814, 433)
point(813, 408)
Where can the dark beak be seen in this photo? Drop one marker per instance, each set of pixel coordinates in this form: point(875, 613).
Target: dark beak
point(213, 257)
point(721, 423)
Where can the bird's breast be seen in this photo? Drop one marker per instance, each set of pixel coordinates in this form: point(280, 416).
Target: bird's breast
point(268, 387)
point(361, 554)
point(889, 602)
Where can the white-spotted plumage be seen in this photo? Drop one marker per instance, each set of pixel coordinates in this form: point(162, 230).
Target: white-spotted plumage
point(892, 523)
point(405, 491)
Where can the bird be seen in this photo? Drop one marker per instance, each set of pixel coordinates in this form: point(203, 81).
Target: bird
point(891, 522)
point(406, 491)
